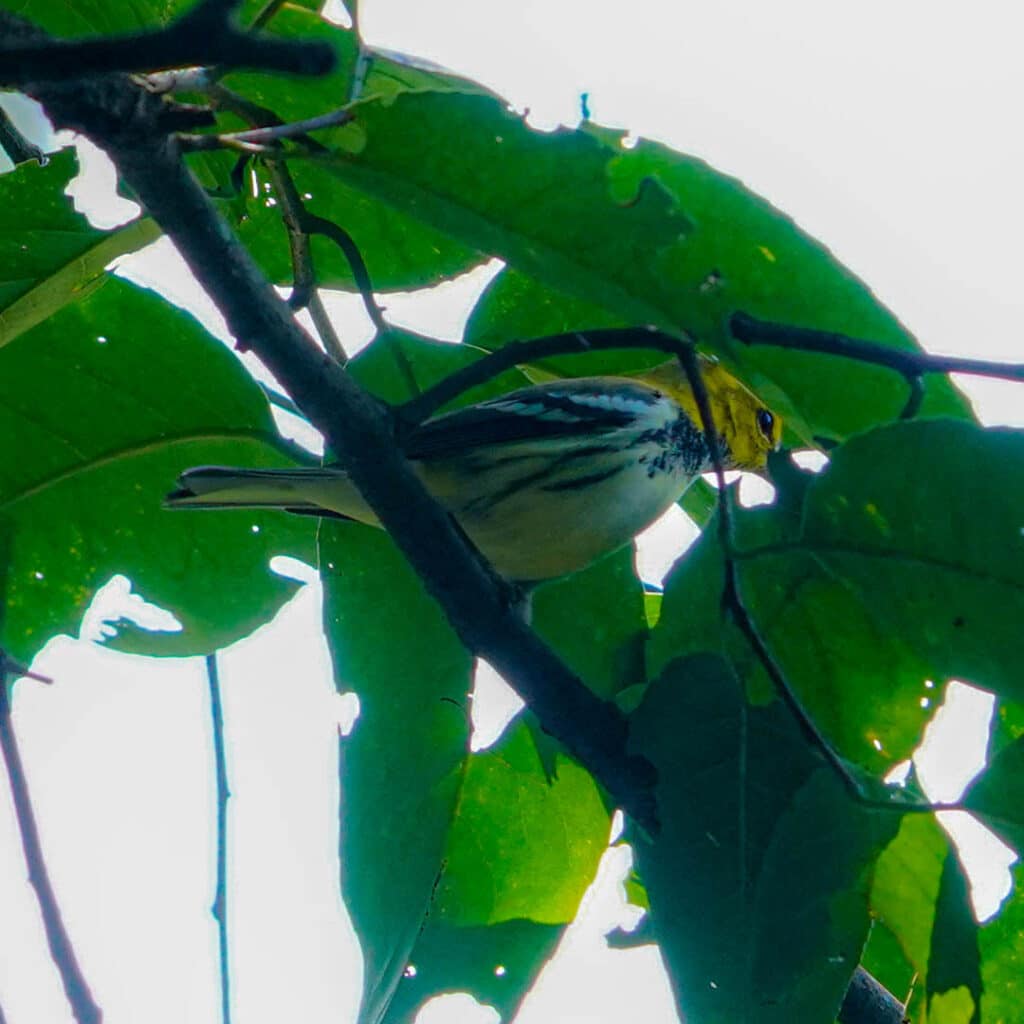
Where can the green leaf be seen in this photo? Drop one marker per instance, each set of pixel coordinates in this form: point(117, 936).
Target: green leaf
point(521, 846)
point(874, 586)
point(427, 836)
point(997, 795)
point(318, 95)
point(953, 963)
point(746, 255)
point(401, 769)
point(1001, 942)
point(544, 204)
point(400, 252)
point(496, 964)
point(521, 852)
point(905, 889)
point(953, 1007)
point(66, 257)
point(104, 415)
point(884, 959)
point(758, 876)
point(79, 18)
point(596, 622)
point(942, 563)
point(649, 235)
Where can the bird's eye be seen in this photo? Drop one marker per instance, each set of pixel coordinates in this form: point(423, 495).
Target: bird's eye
point(766, 424)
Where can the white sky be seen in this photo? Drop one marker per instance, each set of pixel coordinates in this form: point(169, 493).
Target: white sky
point(890, 130)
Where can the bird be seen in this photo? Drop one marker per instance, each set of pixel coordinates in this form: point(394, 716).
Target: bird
point(544, 480)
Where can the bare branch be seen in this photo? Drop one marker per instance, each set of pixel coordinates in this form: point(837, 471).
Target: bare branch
point(515, 353)
point(205, 35)
point(868, 1001)
point(908, 362)
point(62, 952)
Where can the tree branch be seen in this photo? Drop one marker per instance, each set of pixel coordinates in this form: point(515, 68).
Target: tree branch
point(62, 952)
point(912, 364)
point(16, 146)
point(515, 353)
point(205, 35)
point(120, 117)
point(868, 1001)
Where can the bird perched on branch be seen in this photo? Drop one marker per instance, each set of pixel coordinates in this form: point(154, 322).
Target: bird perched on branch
point(544, 480)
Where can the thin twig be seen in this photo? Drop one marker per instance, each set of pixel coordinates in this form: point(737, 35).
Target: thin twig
point(83, 1007)
point(315, 225)
point(732, 598)
point(868, 1001)
point(258, 116)
point(914, 399)
point(265, 139)
point(304, 294)
point(515, 353)
point(205, 35)
point(219, 909)
point(908, 362)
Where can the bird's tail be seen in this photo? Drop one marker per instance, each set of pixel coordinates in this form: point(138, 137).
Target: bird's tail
point(312, 491)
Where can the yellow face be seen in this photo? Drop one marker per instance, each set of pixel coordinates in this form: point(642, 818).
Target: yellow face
point(750, 429)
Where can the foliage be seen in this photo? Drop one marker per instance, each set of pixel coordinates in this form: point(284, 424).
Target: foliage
point(903, 561)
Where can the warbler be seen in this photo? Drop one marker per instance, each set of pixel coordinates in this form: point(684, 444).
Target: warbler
point(544, 480)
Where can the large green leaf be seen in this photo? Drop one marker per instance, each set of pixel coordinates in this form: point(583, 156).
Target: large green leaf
point(905, 889)
point(892, 572)
point(105, 404)
point(453, 863)
point(953, 962)
point(997, 795)
point(758, 875)
point(595, 621)
point(82, 18)
point(430, 860)
point(744, 254)
point(497, 964)
point(522, 846)
point(648, 235)
point(49, 254)
point(401, 769)
point(1001, 942)
point(469, 167)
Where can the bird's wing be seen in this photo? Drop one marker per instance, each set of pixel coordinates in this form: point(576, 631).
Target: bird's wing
point(558, 409)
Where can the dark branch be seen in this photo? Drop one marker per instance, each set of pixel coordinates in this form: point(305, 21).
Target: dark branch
point(220, 898)
point(481, 607)
point(868, 1001)
point(62, 952)
point(206, 35)
point(910, 363)
point(361, 275)
point(515, 353)
point(15, 145)
point(732, 599)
